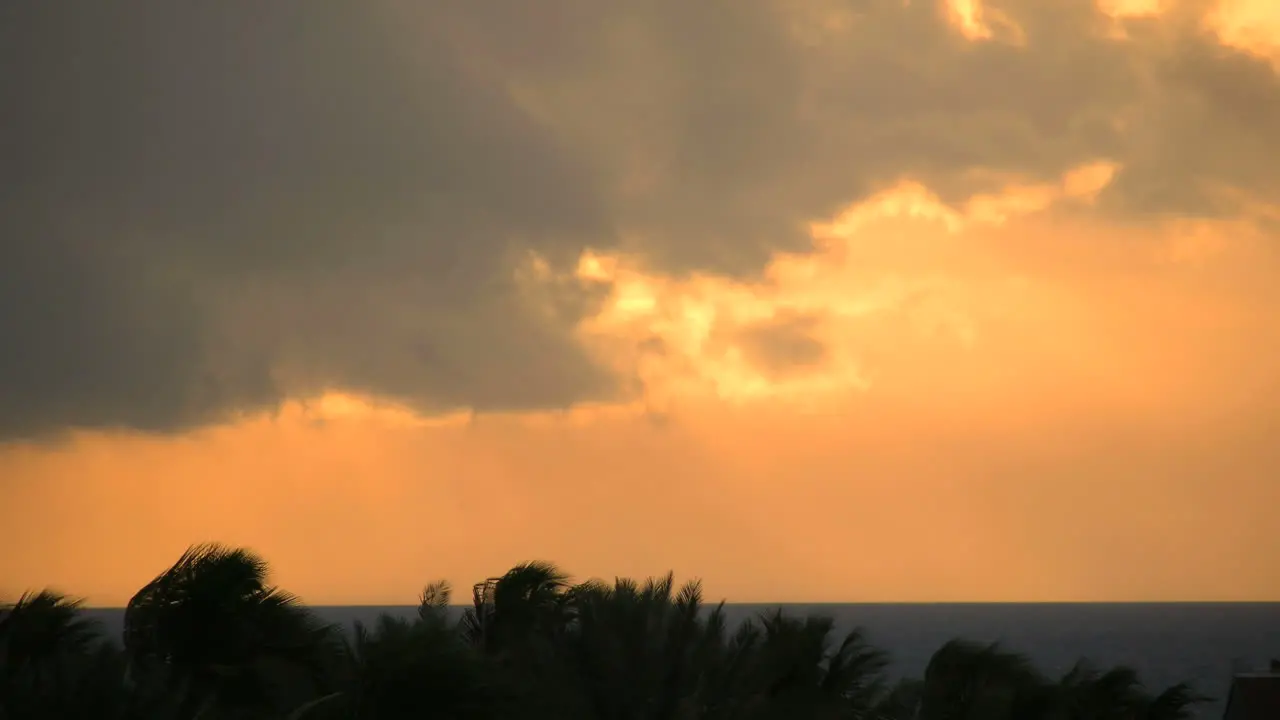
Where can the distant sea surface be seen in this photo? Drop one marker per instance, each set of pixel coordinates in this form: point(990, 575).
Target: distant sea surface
point(1204, 643)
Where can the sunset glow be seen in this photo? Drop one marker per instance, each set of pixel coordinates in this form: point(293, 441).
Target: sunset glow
point(932, 311)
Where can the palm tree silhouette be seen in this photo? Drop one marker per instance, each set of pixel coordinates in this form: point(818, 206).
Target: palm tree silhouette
point(211, 639)
point(416, 668)
point(521, 607)
point(640, 650)
point(54, 662)
point(517, 623)
point(968, 680)
point(210, 636)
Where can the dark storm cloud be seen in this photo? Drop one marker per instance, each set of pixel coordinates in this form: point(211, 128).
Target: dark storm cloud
point(200, 194)
point(207, 208)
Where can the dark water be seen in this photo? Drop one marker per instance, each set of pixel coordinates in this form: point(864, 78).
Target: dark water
point(1200, 642)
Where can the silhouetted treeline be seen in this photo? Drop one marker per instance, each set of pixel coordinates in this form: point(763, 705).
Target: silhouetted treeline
point(211, 639)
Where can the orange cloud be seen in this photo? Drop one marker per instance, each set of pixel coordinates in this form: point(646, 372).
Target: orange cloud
point(1012, 400)
point(684, 337)
point(978, 22)
point(1249, 25)
point(1252, 26)
point(1133, 8)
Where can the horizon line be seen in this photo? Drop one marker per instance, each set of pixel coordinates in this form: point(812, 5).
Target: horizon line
point(824, 603)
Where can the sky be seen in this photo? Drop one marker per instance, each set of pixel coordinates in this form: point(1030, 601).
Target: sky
point(816, 300)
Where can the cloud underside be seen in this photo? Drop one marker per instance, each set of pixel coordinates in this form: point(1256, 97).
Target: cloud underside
point(209, 210)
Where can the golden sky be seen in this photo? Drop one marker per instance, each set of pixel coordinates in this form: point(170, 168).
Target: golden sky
point(993, 328)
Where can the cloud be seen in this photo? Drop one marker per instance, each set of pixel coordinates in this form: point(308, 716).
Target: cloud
point(783, 345)
point(210, 210)
point(216, 208)
point(1015, 400)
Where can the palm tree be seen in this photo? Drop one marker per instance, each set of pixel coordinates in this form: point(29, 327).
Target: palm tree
point(515, 609)
point(1087, 694)
point(211, 637)
point(967, 681)
point(900, 702)
point(637, 650)
point(414, 669)
point(1091, 695)
point(647, 651)
point(517, 623)
point(795, 669)
point(1177, 702)
point(54, 663)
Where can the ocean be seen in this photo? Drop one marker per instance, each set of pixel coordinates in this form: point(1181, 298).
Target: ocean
point(1204, 643)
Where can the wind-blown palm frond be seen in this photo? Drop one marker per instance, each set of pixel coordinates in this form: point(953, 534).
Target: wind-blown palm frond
point(511, 608)
point(633, 645)
point(856, 671)
point(968, 680)
point(211, 639)
point(792, 667)
point(433, 602)
point(212, 629)
point(1177, 702)
point(414, 669)
point(54, 662)
point(41, 627)
point(517, 622)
